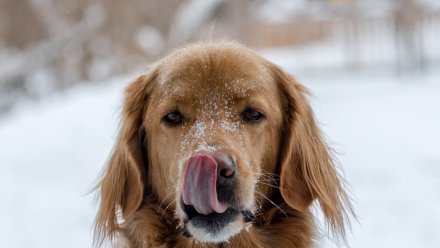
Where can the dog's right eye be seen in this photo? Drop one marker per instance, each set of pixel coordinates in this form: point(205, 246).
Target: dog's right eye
point(252, 115)
point(173, 118)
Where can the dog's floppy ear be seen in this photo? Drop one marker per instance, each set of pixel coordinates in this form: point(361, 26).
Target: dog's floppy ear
point(307, 170)
point(121, 188)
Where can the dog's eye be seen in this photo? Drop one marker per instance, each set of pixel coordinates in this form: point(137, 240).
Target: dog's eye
point(252, 115)
point(173, 118)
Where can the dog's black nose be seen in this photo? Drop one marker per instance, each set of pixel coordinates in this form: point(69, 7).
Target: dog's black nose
point(227, 177)
point(226, 165)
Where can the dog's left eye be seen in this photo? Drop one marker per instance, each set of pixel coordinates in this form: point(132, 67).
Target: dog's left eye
point(252, 115)
point(173, 118)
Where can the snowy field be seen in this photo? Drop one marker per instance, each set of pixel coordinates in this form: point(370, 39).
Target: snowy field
point(385, 129)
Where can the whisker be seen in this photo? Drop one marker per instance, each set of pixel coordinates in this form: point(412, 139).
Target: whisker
point(273, 203)
point(266, 177)
point(266, 174)
point(259, 205)
point(170, 192)
point(270, 185)
point(270, 174)
point(163, 212)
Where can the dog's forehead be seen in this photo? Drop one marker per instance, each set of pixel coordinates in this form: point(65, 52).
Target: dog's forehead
point(218, 73)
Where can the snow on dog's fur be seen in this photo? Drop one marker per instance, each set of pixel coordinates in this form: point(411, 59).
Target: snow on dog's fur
point(218, 148)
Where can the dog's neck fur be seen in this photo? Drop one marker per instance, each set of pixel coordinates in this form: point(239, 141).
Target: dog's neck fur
point(153, 226)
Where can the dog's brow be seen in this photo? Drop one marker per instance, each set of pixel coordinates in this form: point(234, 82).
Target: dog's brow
point(244, 92)
point(237, 91)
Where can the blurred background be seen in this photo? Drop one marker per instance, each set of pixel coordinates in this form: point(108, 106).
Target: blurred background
point(373, 68)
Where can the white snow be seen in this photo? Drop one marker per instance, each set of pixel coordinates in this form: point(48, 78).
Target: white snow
point(51, 153)
point(189, 17)
point(386, 132)
point(150, 40)
point(385, 129)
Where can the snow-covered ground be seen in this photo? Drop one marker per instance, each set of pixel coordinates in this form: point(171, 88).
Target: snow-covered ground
point(50, 156)
point(385, 129)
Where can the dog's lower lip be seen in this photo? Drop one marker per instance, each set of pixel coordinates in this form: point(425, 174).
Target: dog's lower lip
point(191, 212)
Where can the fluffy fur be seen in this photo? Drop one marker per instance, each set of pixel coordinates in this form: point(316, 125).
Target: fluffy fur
point(283, 163)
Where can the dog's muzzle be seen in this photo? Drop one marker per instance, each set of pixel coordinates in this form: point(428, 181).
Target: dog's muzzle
point(208, 188)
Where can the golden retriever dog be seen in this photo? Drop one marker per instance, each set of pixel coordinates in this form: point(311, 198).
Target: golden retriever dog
point(218, 147)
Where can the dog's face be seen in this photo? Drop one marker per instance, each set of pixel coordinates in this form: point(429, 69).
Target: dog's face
point(214, 128)
point(201, 133)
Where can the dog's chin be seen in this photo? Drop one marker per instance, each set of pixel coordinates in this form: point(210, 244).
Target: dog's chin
point(212, 228)
point(210, 232)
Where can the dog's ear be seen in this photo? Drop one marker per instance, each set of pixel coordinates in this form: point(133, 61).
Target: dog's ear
point(121, 188)
point(307, 171)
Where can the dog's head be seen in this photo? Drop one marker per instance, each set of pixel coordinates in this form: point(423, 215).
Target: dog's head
point(203, 131)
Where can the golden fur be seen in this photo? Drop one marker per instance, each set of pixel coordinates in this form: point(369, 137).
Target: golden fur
point(291, 166)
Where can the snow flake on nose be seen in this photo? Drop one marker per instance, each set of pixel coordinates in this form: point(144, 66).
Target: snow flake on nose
point(204, 147)
point(199, 129)
point(228, 126)
point(199, 135)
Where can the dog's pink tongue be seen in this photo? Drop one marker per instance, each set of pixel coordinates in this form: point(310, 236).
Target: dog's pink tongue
point(199, 185)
